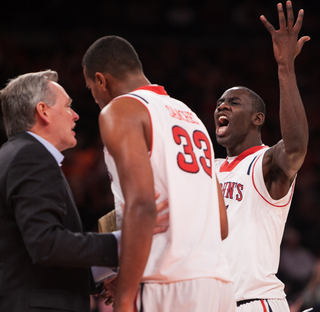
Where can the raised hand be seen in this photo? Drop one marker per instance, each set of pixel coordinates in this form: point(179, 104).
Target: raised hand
point(286, 45)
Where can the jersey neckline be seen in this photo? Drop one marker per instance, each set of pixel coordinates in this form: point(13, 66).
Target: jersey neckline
point(225, 167)
point(154, 88)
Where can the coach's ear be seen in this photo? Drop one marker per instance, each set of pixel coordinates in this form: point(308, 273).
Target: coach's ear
point(42, 113)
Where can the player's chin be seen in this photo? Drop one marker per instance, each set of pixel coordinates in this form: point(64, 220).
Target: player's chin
point(222, 139)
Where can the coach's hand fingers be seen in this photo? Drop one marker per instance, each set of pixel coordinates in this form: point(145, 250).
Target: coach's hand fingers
point(162, 205)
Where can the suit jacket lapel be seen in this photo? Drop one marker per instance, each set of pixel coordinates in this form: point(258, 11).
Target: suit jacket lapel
point(71, 197)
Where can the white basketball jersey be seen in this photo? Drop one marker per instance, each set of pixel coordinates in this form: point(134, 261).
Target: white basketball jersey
point(256, 225)
point(182, 159)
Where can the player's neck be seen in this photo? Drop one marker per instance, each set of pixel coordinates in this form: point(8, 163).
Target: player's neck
point(240, 148)
point(136, 81)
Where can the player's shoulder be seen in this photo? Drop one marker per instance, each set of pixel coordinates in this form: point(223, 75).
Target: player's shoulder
point(122, 107)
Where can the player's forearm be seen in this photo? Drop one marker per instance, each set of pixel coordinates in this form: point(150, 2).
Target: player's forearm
point(137, 233)
point(293, 120)
point(224, 228)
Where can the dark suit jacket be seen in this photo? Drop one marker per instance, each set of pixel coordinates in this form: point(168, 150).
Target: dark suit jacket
point(44, 256)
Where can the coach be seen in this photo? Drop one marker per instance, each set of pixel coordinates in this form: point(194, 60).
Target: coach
point(45, 257)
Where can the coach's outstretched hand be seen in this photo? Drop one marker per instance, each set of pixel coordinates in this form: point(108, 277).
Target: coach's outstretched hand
point(286, 45)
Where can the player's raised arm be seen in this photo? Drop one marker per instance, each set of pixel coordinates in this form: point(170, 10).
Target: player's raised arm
point(289, 153)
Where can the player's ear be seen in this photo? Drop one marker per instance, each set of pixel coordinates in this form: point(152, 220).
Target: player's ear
point(101, 80)
point(258, 118)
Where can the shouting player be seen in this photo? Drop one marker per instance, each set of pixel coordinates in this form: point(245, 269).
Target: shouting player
point(258, 181)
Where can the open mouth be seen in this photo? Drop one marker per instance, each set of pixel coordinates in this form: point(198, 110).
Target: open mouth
point(222, 126)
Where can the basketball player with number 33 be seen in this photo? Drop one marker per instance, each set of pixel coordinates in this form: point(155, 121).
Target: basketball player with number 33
point(156, 144)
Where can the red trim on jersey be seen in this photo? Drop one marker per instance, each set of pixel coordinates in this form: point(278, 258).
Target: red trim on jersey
point(154, 88)
point(263, 305)
point(135, 309)
point(225, 167)
point(151, 127)
point(254, 185)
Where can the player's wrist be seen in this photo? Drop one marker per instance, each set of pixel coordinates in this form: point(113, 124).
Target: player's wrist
point(286, 68)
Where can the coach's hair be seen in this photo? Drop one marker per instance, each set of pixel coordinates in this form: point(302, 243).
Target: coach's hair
point(20, 97)
point(257, 102)
point(113, 55)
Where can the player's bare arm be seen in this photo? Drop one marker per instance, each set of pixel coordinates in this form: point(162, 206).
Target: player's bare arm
point(124, 126)
point(284, 159)
point(223, 213)
point(162, 221)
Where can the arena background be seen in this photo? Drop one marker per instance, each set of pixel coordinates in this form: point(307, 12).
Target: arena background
point(196, 49)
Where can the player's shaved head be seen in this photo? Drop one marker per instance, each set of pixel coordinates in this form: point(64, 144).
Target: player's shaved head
point(257, 102)
point(113, 55)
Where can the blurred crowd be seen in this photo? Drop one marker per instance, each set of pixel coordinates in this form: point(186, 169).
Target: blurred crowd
point(196, 49)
